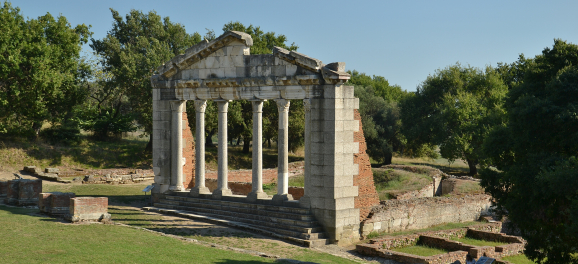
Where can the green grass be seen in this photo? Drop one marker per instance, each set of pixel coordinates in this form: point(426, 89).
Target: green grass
point(88, 154)
point(420, 250)
point(123, 194)
point(390, 182)
point(433, 228)
point(518, 259)
point(478, 242)
point(29, 238)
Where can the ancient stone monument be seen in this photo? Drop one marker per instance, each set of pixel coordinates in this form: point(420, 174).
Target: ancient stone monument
point(223, 70)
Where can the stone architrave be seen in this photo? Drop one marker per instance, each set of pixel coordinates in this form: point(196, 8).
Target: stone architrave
point(223, 170)
point(283, 152)
point(177, 163)
point(257, 186)
point(200, 188)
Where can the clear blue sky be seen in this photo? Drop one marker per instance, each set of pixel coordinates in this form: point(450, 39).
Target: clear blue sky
point(404, 41)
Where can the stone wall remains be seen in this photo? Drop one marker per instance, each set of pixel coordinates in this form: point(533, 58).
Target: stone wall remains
point(244, 188)
point(3, 189)
point(55, 203)
point(418, 213)
point(88, 209)
point(22, 192)
point(188, 154)
point(367, 195)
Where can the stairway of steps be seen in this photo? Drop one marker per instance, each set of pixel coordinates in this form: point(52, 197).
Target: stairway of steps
point(288, 222)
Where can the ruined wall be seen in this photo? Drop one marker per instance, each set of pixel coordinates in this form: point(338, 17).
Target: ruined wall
point(188, 154)
point(398, 215)
point(367, 195)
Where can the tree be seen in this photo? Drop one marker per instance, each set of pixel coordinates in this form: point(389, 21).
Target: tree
point(381, 124)
point(535, 177)
point(455, 108)
point(133, 49)
point(381, 87)
point(41, 72)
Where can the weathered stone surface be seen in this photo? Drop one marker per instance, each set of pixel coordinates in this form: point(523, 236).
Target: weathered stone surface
point(51, 170)
point(3, 189)
point(31, 169)
point(28, 191)
point(88, 209)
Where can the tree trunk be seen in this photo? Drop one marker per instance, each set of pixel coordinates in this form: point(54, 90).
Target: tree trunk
point(209, 139)
point(472, 164)
point(269, 143)
point(246, 145)
point(149, 147)
point(36, 126)
point(387, 159)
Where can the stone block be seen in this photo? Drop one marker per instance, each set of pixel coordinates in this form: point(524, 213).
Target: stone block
point(29, 191)
point(348, 92)
point(231, 72)
point(88, 209)
point(31, 169)
point(51, 170)
point(291, 69)
point(279, 70)
point(241, 72)
point(3, 189)
point(44, 202)
point(204, 73)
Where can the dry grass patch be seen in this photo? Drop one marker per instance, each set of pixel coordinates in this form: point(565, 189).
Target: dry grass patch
point(390, 183)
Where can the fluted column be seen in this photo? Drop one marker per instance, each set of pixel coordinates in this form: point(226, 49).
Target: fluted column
point(200, 188)
point(283, 152)
point(177, 163)
point(257, 181)
point(222, 176)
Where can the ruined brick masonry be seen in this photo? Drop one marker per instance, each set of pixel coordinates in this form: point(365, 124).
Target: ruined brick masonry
point(188, 154)
point(367, 196)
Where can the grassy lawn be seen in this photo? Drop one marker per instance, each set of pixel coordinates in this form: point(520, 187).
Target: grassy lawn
point(433, 228)
point(420, 250)
point(30, 238)
point(458, 167)
point(389, 182)
point(478, 242)
point(518, 259)
point(123, 197)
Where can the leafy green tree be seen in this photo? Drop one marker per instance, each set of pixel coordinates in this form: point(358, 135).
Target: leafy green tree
point(535, 177)
point(133, 49)
point(381, 87)
point(454, 109)
point(381, 124)
point(41, 72)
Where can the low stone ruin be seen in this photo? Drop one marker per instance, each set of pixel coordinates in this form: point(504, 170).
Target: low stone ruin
point(382, 247)
point(88, 209)
point(55, 203)
point(21, 192)
point(49, 174)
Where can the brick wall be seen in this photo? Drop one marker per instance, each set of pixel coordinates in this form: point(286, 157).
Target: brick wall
point(188, 154)
point(88, 209)
point(29, 191)
point(3, 188)
point(367, 195)
point(55, 203)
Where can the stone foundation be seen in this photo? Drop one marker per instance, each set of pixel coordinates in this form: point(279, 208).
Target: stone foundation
point(88, 209)
point(3, 189)
point(56, 203)
point(22, 192)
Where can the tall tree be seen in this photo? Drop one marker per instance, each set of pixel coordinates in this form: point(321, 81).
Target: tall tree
point(455, 108)
point(133, 49)
point(41, 72)
point(535, 155)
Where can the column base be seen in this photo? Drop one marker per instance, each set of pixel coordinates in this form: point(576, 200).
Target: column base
point(254, 196)
point(196, 191)
point(280, 198)
point(218, 194)
point(305, 202)
point(177, 188)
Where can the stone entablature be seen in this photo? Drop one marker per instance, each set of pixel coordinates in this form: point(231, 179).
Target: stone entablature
point(223, 70)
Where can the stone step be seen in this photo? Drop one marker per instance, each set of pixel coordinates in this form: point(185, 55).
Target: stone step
point(312, 240)
point(240, 208)
point(285, 209)
point(299, 227)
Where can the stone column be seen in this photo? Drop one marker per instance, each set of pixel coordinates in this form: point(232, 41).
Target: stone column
point(200, 106)
point(177, 163)
point(305, 201)
point(222, 176)
point(283, 152)
point(257, 181)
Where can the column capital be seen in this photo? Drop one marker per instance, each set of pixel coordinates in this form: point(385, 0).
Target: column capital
point(307, 105)
point(200, 106)
point(257, 106)
point(283, 105)
point(223, 105)
point(178, 106)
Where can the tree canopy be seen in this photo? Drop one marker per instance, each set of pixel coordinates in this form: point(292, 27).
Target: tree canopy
point(535, 179)
point(454, 109)
point(41, 71)
point(134, 48)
